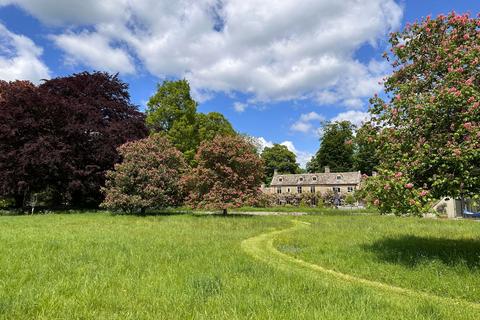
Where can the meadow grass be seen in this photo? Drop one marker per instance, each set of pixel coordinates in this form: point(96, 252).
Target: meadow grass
point(192, 266)
point(435, 256)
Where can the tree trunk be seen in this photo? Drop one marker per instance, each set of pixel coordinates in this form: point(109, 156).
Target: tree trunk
point(224, 212)
point(142, 211)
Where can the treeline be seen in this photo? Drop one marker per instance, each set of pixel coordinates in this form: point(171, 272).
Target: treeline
point(78, 141)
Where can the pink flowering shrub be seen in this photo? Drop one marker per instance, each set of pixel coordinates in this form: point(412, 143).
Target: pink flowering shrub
point(147, 178)
point(429, 122)
point(394, 193)
point(229, 174)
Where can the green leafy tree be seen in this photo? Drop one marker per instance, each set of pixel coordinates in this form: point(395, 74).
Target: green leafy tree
point(429, 123)
point(336, 148)
point(147, 178)
point(365, 158)
point(173, 111)
point(229, 174)
point(279, 158)
point(171, 102)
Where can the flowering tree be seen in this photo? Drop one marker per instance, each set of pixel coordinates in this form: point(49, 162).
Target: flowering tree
point(148, 177)
point(429, 124)
point(393, 192)
point(229, 174)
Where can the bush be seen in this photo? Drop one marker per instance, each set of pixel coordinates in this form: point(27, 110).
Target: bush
point(148, 177)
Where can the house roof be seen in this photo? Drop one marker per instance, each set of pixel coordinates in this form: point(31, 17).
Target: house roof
point(330, 178)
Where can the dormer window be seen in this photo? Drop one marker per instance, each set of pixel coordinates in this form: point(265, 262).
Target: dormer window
point(301, 179)
point(314, 178)
point(339, 177)
point(280, 179)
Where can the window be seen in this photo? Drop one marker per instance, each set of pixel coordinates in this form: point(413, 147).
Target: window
point(350, 189)
point(336, 189)
point(312, 189)
point(279, 190)
point(339, 177)
point(280, 179)
point(288, 190)
point(299, 189)
point(301, 179)
point(314, 178)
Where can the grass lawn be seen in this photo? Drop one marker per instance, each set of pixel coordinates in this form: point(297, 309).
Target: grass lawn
point(99, 266)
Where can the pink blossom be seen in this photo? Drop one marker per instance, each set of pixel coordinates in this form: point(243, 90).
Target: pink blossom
point(469, 82)
point(466, 37)
point(411, 202)
point(468, 126)
point(457, 152)
point(387, 187)
point(409, 185)
point(423, 193)
point(398, 175)
point(398, 97)
point(376, 202)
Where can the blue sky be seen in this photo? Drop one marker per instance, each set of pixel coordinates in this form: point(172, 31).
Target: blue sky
point(274, 69)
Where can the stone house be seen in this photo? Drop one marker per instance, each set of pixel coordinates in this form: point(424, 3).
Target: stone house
point(340, 182)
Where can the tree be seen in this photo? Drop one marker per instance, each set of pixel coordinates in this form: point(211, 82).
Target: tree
point(429, 121)
point(336, 148)
point(365, 158)
point(279, 158)
point(171, 102)
point(62, 136)
point(173, 111)
point(229, 174)
point(147, 178)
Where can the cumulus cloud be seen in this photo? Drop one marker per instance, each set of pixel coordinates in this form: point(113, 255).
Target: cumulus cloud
point(20, 58)
point(239, 107)
point(307, 122)
point(355, 117)
point(269, 50)
point(94, 50)
point(311, 122)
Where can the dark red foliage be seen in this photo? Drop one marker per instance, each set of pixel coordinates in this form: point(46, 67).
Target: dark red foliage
point(62, 136)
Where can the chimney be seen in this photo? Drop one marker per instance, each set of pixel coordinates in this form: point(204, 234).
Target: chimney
point(275, 172)
point(327, 169)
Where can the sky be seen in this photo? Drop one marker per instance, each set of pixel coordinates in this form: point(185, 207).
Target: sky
point(276, 69)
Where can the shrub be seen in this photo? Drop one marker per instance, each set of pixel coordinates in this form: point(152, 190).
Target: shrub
point(147, 178)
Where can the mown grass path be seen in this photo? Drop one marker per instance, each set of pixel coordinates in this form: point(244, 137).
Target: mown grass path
point(262, 248)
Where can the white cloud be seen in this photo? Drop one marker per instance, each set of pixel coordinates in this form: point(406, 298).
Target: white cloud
point(311, 122)
point(267, 49)
point(71, 12)
point(239, 107)
point(355, 117)
point(306, 122)
point(20, 58)
point(94, 50)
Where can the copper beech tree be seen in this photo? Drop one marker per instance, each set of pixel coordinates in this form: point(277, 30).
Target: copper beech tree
point(429, 124)
point(147, 178)
point(62, 135)
point(229, 174)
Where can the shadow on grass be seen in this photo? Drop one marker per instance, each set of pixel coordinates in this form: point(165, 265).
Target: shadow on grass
point(411, 251)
